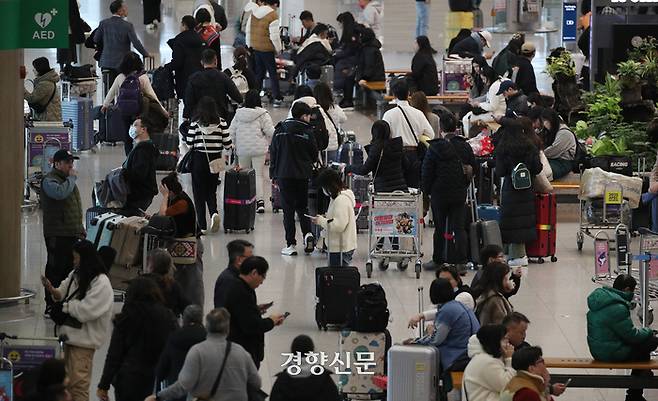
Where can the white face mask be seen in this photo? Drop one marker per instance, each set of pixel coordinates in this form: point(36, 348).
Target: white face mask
point(326, 193)
point(511, 284)
point(132, 132)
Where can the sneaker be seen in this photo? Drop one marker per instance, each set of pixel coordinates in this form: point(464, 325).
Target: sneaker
point(346, 104)
point(431, 266)
point(260, 206)
point(214, 223)
point(290, 250)
point(309, 243)
point(277, 103)
point(518, 262)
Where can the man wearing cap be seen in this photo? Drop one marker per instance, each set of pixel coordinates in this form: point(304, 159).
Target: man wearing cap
point(523, 73)
point(517, 102)
point(474, 45)
point(62, 217)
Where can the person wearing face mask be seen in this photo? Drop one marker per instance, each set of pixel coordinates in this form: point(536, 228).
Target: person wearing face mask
point(88, 300)
point(186, 50)
point(139, 169)
point(293, 152)
point(559, 141)
point(492, 305)
point(454, 324)
point(339, 222)
point(490, 368)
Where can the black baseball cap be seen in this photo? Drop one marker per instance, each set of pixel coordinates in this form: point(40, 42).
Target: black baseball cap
point(64, 155)
point(505, 85)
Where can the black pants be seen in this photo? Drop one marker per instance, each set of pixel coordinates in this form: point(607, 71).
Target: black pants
point(265, 63)
point(204, 188)
point(136, 207)
point(294, 198)
point(348, 88)
point(449, 219)
point(152, 11)
point(59, 262)
point(412, 173)
point(641, 352)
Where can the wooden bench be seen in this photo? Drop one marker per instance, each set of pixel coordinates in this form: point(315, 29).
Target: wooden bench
point(457, 378)
point(452, 102)
point(397, 72)
point(376, 86)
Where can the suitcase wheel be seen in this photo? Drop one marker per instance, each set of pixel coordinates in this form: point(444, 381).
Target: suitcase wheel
point(275, 210)
point(540, 261)
point(403, 264)
point(369, 269)
point(383, 264)
point(417, 268)
point(553, 259)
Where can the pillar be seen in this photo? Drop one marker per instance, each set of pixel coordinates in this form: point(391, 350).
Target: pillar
point(11, 166)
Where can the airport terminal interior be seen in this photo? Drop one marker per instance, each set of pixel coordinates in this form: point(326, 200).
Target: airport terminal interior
point(553, 295)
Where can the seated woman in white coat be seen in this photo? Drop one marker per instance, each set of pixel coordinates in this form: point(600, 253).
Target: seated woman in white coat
point(493, 108)
point(490, 368)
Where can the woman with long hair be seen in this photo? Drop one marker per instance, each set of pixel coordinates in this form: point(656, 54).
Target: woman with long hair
point(251, 133)
point(346, 56)
point(493, 107)
point(87, 299)
point(208, 137)
point(241, 70)
point(423, 67)
point(161, 268)
point(419, 101)
point(139, 336)
point(517, 212)
point(560, 143)
point(491, 304)
point(177, 204)
point(334, 117)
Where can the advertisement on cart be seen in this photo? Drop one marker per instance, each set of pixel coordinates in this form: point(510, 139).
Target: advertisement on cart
point(395, 223)
point(27, 357)
point(650, 245)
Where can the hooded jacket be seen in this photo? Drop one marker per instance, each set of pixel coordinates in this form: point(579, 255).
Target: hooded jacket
point(485, 377)
point(185, 58)
point(373, 13)
point(389, 173)
point(371, 63)
point(314, 50)
point(210, 82)
point(332, 120)
point(525, 386)
point(442, 174)
point(304, 386)
point(262, 32)
point(342, 228)
point(45, 86)
point(139, 171)
point(610, 330)
point(179, 343)
point(525, 77)
point(424, 73)
point(293, 150)
point(469, 47)
point(251, 131)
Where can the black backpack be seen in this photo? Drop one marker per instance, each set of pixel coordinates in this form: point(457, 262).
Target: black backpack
point(581, 158)
point(371, 310)
point(163, 84)
point(320, 131)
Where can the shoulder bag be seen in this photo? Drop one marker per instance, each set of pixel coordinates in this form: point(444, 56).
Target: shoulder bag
point(218, 379)
point(40, 108)
point(421, 149)
point(216, 166)
point(56, 310)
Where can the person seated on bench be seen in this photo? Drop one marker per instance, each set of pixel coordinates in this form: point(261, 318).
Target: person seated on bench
point(490, 368)
point(315, 50)
point(532, 379)
point(494, 253)
point(559, 141)
point(370, 65)
point(611, 335)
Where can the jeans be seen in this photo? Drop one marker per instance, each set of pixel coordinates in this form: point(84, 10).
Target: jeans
point(258, 164)
point(204, 188)
point(294, 199)
point(516, 251)
point(59, 262)
point(265, 63)
point(335, 258)
point(422, 18)
point(560, 167)
point(449, 219)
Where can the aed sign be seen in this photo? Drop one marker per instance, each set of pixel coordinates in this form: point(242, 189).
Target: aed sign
point(34, 24)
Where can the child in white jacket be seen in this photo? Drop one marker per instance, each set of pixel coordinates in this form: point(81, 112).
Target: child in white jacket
point(340, 221)
point(251, 133)
point(490, 368)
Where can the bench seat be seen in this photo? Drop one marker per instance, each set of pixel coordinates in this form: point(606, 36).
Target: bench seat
point(375, 85)
point(588, 363)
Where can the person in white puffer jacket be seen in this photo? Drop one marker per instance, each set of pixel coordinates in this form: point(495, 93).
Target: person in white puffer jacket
point(251, 133)
point(87, 298)
point(490, 368)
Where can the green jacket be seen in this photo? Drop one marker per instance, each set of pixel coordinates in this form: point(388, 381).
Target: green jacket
point(610, 330)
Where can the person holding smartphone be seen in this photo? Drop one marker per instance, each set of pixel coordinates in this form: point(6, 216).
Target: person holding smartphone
point(532, 380)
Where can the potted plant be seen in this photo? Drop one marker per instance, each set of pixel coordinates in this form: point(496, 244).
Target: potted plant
point(631, 74)
point(565, 87)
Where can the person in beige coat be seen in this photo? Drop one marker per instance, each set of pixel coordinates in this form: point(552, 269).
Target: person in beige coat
point(45, 94)
point(492, 306)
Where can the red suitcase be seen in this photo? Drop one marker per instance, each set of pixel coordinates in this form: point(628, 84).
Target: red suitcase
point(544, 246)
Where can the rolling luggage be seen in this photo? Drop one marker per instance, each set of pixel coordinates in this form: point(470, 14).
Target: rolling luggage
point(111, 127)
point(413, 373)
point(481, 232)
point(167, 146)
point(239, 200)
point(368, 358)
point(126, 240)
point(93, 212)
point(359, 185)
point(544, 245)
point(102, 228)
point(350, 153)
point(488, 212)
point(78, 111)
point(276, 198)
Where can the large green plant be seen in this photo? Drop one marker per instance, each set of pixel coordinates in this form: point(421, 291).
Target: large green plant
point(603, 102)
point(630, 73)
point(562, 65)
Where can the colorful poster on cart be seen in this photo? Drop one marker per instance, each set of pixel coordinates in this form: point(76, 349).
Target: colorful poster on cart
point(395, 223)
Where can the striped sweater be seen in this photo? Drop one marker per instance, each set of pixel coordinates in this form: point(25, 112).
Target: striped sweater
point(211, 139)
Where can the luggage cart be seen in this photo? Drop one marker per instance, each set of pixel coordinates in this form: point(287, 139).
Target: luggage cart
point(603, 213)
point(397, 216)
point(6, 379)
point(453, 75)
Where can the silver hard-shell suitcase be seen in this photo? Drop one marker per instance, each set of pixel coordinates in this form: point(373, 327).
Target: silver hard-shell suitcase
point(413, 373)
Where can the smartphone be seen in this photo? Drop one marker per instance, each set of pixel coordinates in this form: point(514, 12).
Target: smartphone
point(309, 216)
point(285, 315)
point(269, 304)
point(566, 384)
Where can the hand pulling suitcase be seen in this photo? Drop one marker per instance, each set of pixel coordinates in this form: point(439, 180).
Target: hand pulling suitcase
point(167, 146)
point(239, 200)
point(368, 358)
point(78, 111)
point(544, 245)
point(102, 229)
point(413, 373)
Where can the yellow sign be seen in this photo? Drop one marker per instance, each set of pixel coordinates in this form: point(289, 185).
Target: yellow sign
point(420, 367)
point(613, 197)
point(14, 356)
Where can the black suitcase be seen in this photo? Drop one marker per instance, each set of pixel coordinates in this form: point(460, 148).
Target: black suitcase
point(111, 127)
point(335, 290)
point(239, 200)
point(318, 202)
point(167, 146)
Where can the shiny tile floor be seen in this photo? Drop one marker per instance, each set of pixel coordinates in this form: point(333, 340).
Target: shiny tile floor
point(553, 295)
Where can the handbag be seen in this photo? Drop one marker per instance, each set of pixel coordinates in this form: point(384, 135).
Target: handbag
point(217, 380)
point(217, 165)
point(183, 250)
point(521, 178)
point(40, 108)
point(57, 314)
point(420, 148)
point(185, 164)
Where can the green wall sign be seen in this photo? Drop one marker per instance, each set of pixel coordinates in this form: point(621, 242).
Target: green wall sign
point(34, 24)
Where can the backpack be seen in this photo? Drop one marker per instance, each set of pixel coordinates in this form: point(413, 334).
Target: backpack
point(239, 80)
point(581, 158)
point(371, 310)
point(320, 131)
point(521, 178)
point(129, 100)
point(163, 84)
point(208, 34)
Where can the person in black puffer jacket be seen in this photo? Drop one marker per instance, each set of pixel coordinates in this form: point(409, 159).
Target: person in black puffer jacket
point(517, 214)
point(370, 66)
point(172, 358)
point(139, 169)
point(389, 173)
point(303, 385)
point(186, 54)
point(423, 68)
point(347, 54)
point(444, 179)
